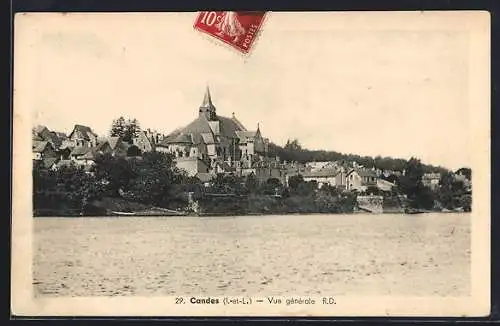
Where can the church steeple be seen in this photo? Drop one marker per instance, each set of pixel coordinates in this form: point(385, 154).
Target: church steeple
point(207, 100)
point(207, 108)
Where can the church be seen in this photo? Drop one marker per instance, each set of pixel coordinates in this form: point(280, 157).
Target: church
point(215, 144)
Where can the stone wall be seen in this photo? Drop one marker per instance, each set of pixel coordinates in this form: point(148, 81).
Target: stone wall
point(372, 204)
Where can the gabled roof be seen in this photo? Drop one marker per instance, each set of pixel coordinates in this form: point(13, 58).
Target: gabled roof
point(244, 135)
point(61, 135)
point(113, 141)
point(50, 161)
point(367, 173)
point(198, 125)
point(229, 127)
point(325, 173)
point(102, 146)
point(38, 129)
point(86, 131)
point(238, 123)
point(363, 173)
point(204, 130)
point(79, 151)
point(39, 146)
point(90, 155)
point(179, 139)
point(43, 133)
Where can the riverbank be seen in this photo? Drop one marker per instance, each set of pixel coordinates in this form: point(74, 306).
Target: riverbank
point(254, 205)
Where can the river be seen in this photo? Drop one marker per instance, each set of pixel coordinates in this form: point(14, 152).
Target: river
point(355, 254)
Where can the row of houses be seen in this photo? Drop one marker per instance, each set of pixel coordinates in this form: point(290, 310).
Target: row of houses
point(82, 146)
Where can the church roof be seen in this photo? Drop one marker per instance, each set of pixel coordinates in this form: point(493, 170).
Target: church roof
point(208, 138)
point(203, 129)
point(229, 127)
point(238, 123)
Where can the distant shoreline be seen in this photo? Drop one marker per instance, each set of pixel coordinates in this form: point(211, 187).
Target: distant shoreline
point(249, 214)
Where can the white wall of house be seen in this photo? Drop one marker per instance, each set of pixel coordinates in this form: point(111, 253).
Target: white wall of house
point(322, 180)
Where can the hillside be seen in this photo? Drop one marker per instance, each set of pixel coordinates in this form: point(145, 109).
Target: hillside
point(292, 151)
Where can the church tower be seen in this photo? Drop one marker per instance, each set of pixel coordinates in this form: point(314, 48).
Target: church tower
point(207, 108)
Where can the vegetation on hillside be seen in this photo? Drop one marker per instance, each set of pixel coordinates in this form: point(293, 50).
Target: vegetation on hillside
point(293, 152)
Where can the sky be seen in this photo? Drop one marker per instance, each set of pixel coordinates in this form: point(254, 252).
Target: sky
point(368, 84)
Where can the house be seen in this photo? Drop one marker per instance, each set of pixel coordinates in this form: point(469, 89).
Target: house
point(325, 176)
point(43, 133)
point(118, 146)
point(78, 152)
point(82, 136)
point(315, 166)
point(143, 142)
point(361, 179)
point(88, 158)
point(431, 180)
point(62, 163)
point(154, 136)
point(48, 162)
point(42, 149)
point(104, 148)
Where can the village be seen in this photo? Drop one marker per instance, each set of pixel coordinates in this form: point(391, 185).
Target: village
point(213, 145)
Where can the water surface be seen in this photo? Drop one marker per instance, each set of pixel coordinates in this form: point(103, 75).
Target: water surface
point(356, 254)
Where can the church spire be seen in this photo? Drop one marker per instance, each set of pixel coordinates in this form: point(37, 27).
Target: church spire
point(207, 100)
point(207, 108)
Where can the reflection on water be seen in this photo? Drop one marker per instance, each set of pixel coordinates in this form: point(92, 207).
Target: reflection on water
point(427, 254)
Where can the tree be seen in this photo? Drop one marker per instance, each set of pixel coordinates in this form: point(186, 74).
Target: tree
point(293, 145)
point(451, 191)
point(152, 179)
point(127, 130)
point(294, 181)
point(411, 182)
point(227, 184)
point(132, 129)
point(133, 151)
point(372, 190)
point(467, 172)
point(118, 127)
point(251, 183)
point(113, 172)
point(271, 187)
point(307, 188)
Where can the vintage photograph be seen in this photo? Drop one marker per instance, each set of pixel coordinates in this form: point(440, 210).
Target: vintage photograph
point(284, 158)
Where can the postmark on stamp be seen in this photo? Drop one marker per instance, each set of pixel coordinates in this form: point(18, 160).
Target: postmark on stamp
point(239, 29)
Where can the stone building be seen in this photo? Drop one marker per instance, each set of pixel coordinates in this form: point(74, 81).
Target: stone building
point(214, 143)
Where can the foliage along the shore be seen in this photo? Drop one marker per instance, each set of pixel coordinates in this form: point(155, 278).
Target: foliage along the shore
point(154, 181)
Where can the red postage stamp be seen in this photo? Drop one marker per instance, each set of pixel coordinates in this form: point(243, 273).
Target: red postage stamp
point(236, 28)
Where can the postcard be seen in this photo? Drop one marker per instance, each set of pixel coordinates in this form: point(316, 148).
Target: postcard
point(251, 164)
